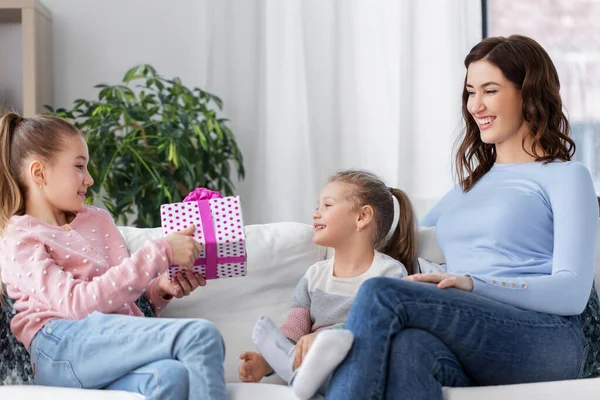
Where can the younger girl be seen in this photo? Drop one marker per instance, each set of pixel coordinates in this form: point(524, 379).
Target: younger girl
point(372, 229)
point(73, 283)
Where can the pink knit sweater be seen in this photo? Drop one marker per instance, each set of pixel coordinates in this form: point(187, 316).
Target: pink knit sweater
point(73, 270)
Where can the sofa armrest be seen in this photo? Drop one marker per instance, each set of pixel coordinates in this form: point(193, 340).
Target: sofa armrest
point(428, 246)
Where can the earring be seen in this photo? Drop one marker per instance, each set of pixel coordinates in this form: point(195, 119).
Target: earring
point(358, 229)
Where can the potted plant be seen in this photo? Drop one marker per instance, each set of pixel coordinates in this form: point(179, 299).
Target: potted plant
point(153, 143)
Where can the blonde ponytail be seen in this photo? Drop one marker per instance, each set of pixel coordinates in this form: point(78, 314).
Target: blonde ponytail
point(11, 196)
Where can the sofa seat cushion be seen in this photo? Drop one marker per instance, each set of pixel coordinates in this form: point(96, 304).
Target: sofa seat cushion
point(36, 392)
point(262, 391)
point(581, 389)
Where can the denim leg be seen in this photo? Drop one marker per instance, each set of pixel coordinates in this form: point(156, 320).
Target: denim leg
point(495, 343)
point(421, 364)
point(160, 380)
point(100, 349)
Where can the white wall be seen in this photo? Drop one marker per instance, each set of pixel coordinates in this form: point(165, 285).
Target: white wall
point(11, 66)
point(96, 41)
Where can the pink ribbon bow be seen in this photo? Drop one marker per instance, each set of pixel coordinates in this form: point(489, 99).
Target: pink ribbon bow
point(202, 194)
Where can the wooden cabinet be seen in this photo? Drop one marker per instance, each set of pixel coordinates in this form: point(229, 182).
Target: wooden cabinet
point(25, 56)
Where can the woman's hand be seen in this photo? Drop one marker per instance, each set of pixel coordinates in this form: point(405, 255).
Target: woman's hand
point(302, 348)
point(445, 281)
point(182, 285)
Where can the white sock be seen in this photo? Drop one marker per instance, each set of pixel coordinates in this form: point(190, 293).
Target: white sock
point(274, 347)
point(327, 351)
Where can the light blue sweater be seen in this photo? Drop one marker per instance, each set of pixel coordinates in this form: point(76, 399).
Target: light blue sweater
point(526, 234)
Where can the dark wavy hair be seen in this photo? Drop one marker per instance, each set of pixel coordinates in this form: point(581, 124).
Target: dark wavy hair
point(527, 65)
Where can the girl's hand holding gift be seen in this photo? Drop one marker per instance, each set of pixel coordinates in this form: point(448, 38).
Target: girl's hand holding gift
point(182, 285)
point(185, 251)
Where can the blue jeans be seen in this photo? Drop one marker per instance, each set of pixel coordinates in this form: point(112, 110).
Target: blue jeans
point(158, 358)
point(410, 339)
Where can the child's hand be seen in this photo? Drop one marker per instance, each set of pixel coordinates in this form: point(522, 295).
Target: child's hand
point(253, 367)
point(182, 285)
point(302, 348)
point(185, 249)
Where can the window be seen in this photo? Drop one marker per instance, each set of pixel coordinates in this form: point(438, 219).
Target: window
point(568, 31)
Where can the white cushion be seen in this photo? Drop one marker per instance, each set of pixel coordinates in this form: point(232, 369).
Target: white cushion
point(581, 389)
point(278, 256)
point(33, 392)
point(584, 389)
point(235, 391)
point(428, 247)
point(261, 391)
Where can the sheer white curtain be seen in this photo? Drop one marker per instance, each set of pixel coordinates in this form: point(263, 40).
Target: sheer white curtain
point(315, 86)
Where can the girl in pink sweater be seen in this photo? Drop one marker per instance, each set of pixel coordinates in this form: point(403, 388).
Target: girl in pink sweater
point(74, 284)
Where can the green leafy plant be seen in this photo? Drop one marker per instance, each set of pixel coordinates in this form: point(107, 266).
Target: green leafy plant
point(153, 143)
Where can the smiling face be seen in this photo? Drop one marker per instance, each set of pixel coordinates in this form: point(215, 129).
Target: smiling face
point(496, 104)
point(66, 178)
point(335, 219)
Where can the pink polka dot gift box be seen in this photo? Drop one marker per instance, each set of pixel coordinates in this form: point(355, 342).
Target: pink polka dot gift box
point(219, 228)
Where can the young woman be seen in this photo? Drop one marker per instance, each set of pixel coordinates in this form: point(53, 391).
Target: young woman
point(518, 234)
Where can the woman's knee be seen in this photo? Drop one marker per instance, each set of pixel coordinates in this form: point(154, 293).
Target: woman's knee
point(399, 289)
point(413, 343)
point(382, 287)
point(372, 287)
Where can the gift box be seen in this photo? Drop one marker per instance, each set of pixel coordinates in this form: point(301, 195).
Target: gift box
point(219, 228)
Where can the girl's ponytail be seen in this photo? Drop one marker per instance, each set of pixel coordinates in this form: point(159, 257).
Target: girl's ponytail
point(11, 196)
point(404, 242)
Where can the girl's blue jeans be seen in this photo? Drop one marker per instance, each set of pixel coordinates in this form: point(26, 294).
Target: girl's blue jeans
point(411, 339)
point(158, 358)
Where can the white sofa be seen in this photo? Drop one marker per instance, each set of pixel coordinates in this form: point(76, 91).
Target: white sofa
point(278, 255)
